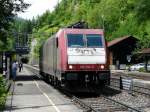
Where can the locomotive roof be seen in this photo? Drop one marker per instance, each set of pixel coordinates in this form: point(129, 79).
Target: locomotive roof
point(80, 29)
point(86, 31)
point(75, 30)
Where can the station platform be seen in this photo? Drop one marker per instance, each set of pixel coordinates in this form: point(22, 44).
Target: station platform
point(31, 94)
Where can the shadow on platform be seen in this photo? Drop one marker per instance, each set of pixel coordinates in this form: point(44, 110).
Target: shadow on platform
point(9, 108)
point(27, 78)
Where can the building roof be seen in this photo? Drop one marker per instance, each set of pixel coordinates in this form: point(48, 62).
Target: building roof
point(118, 40)
point(146, 51)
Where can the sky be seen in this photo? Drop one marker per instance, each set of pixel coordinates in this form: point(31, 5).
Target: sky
point(38, 7)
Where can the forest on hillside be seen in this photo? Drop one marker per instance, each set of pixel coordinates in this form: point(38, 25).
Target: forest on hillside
point(8, 11)
point(117, 17)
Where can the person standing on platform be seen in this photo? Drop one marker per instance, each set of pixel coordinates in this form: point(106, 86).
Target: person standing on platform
point(14, 70)
point(20, 66)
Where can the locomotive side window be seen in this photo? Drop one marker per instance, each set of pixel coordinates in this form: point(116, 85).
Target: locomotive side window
point(57, 42)
point(94, 40)
point(75, 40)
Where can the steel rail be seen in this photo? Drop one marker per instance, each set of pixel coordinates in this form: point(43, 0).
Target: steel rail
point(122, 104)
point(142, 87)
point(136, 91)
point(147, 94)
point(84, 105)
point(134, 86)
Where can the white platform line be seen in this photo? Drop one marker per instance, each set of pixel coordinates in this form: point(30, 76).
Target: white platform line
point(47, 97)
point(50, 101)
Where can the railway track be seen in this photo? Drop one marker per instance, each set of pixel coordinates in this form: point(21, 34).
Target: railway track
point(136, 75)
point(116, 102)
point(106, 104)
point(102, 103)
point(115, 83)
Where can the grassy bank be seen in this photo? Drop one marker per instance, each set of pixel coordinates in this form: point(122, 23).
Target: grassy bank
point(3, 93)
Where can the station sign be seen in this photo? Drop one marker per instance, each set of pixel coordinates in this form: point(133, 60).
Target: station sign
point(22, 50)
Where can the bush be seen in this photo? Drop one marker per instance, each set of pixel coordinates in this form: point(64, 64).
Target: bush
point(142, 69)
point(2, 93)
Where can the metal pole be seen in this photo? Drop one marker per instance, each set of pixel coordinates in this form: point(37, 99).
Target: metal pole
point(4, 64)
point(121, 86)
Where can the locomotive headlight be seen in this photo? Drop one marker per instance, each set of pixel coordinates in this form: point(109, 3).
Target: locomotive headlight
point(102, 66)
point(70, 66)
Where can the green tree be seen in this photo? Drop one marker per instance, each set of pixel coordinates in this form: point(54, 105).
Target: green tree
point(8, 9)
point(118, 17)
point(142, 8)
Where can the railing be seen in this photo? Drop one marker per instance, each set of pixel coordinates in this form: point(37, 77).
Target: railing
point(125, 83)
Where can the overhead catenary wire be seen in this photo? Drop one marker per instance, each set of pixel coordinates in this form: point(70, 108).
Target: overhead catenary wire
point(25, 33)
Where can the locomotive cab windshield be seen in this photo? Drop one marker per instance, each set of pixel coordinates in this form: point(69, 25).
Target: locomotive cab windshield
point(75, 40)
point(94, 40)
point(88, 40)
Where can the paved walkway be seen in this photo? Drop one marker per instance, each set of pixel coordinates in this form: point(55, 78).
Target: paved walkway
point(30, 94)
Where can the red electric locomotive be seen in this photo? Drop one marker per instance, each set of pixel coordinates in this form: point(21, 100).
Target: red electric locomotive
point(76, 59)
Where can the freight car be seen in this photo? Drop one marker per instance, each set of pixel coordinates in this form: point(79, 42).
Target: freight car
point(75, 59)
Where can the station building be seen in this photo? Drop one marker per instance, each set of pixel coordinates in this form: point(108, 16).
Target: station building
point(145, 54)
point(121, 50)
